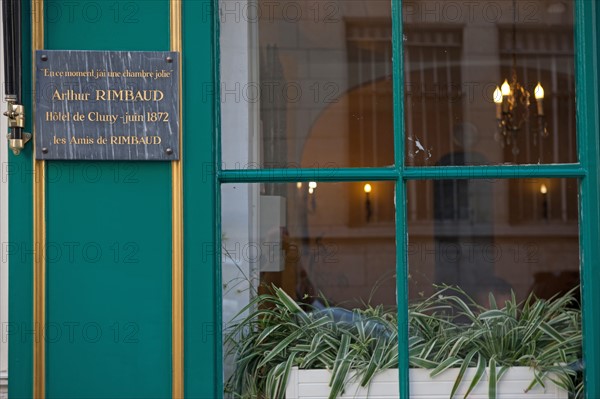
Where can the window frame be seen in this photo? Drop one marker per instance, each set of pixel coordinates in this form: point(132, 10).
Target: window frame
point(588, 148)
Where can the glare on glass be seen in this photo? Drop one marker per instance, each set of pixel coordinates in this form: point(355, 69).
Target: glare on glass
point(489, 82)
point(306, 83)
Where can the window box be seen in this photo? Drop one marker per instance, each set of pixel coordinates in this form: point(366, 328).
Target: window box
point(314, 384)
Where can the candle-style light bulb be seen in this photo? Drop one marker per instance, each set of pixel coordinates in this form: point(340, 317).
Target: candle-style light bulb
point(544, 192)
point(539, 92)
point(539, 97)
point(498, 101)
point(368, 188)
point(506, 88)
point(498, 95)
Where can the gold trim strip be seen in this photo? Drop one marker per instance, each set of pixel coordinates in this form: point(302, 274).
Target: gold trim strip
point(39, 227)
point(177, 225)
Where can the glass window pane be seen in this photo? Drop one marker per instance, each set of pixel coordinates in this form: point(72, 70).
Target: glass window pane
point(496, 242)
point(306, 83)
point(459, 54)
point(329, 246)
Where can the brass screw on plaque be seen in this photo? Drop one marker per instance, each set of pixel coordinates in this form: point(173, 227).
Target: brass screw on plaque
point(169, 151)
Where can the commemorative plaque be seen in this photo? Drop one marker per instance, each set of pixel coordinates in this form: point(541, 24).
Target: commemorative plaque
point(107, 105)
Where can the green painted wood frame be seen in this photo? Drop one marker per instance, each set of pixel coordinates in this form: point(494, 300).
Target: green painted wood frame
point(587, 15)
point(203, 368)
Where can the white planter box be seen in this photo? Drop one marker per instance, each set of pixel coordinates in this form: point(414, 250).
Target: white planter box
point(314, 384)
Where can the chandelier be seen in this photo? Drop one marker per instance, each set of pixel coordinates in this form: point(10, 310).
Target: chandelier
point(513, 102)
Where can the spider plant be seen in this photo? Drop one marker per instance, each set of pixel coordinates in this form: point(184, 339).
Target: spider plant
point(279, 334)
point(450, 330)
point(447, 330)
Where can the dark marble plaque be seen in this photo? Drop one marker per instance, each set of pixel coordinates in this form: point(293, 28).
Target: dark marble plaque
point(107, 105)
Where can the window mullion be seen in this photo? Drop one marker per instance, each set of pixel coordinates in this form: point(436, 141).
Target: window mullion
point(495, 172)
point(324, 174)
point(400, 198)
point(589, 152)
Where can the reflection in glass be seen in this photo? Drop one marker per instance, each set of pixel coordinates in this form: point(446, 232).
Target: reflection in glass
point(490, 82)
point(328, 246)
point(503, 245)
point(306, 83)
point(494, 236)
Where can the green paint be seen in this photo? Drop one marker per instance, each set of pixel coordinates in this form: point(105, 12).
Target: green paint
point(587, 15)
point(108, 281)
point(325, 174)
point(401, 224)
point(202, 294)
point(116, 288)
point(408, 173)
point(116, 25)
point(495, 172)
point(217, 206)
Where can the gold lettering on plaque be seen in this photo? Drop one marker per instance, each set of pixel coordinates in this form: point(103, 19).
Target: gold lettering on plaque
point(129, 95)
point(70, 95)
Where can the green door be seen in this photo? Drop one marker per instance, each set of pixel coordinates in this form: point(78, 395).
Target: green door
point(109, 288)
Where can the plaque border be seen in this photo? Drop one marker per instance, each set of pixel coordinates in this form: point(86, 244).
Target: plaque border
point(157, 156)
